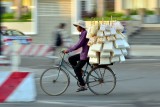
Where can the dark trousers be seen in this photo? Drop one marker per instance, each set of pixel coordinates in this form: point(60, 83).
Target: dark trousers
point(77, 65)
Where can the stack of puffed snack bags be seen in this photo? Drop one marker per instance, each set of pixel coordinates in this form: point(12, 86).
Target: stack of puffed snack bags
point(107, 44)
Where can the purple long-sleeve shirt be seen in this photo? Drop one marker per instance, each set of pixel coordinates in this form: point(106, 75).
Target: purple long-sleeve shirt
point(82, 43)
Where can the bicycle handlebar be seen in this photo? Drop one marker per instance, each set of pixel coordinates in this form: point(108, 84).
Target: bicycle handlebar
point(63, 54)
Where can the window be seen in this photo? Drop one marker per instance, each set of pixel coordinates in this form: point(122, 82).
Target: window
point(8, 33)
point(109, 5)
point(17, 33)
point(3, 9)
point(83, 9)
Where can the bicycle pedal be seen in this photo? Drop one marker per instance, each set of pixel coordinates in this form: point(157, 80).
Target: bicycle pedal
point(81, 89)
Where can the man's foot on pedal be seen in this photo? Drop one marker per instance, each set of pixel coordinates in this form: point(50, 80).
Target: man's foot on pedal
point(81, 88)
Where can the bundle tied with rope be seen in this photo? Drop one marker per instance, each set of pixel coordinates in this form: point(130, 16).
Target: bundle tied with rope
point(107, 42)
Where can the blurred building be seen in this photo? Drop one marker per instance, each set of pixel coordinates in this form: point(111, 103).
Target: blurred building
point(122, 5)
point(8, 6)
point(47, 14)
point(52, 12)
point(147, 10)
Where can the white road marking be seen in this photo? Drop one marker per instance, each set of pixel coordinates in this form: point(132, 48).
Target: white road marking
point(84, 103)
point(91, 101)
point(142, 60)
point(60, 103)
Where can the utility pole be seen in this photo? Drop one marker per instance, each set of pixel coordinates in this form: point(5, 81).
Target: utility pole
point(0, 28)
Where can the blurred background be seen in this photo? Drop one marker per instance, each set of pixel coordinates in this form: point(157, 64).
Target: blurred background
point(39, 18)
point(32, 23)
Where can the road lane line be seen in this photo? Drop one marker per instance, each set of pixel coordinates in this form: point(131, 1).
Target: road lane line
point(87, 101)
point(61, 103)
point(84, 103)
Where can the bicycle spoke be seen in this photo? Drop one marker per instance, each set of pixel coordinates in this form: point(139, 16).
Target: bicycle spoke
point(92, 81)
point(100, 74)
point(95, 85)
point(103, 73)
point(94, 76)
point(96, 72)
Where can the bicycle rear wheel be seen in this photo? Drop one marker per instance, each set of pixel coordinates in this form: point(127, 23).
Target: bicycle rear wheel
point(54, 81)
point(101, 80)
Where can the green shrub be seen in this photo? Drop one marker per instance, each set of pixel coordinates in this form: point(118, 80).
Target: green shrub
point(27, 16)
point(8, 16)
point(125, 18)
point(133, 12)
point(109, 18)
point(14, 20)
point(11, 16)
point(113, 14)
point(149, 12)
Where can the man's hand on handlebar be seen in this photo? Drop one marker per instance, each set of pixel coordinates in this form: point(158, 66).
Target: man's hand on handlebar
point(65, 51)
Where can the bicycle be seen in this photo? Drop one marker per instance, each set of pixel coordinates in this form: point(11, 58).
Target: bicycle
point(94, 76)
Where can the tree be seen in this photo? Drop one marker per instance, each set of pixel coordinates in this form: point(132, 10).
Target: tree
point(100, 8)
point(18, 12)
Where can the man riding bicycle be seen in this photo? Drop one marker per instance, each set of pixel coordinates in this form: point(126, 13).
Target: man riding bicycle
point(79, 60)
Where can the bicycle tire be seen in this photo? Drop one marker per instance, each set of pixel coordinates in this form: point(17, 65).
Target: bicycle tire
point(95, 77)
point(54, 82)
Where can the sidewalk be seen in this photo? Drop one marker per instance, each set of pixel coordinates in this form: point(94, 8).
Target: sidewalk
point(144, 51)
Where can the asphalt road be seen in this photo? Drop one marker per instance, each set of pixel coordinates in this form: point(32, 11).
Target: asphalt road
point(137, 86)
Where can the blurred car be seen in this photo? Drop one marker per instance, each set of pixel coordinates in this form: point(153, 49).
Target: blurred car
point(9, 35)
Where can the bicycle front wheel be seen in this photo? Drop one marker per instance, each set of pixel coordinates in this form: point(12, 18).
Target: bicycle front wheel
point(101, 80)
point(54, 81)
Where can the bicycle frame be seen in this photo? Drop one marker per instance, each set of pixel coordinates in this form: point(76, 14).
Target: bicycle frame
point(95, 76)
point(64, 67)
